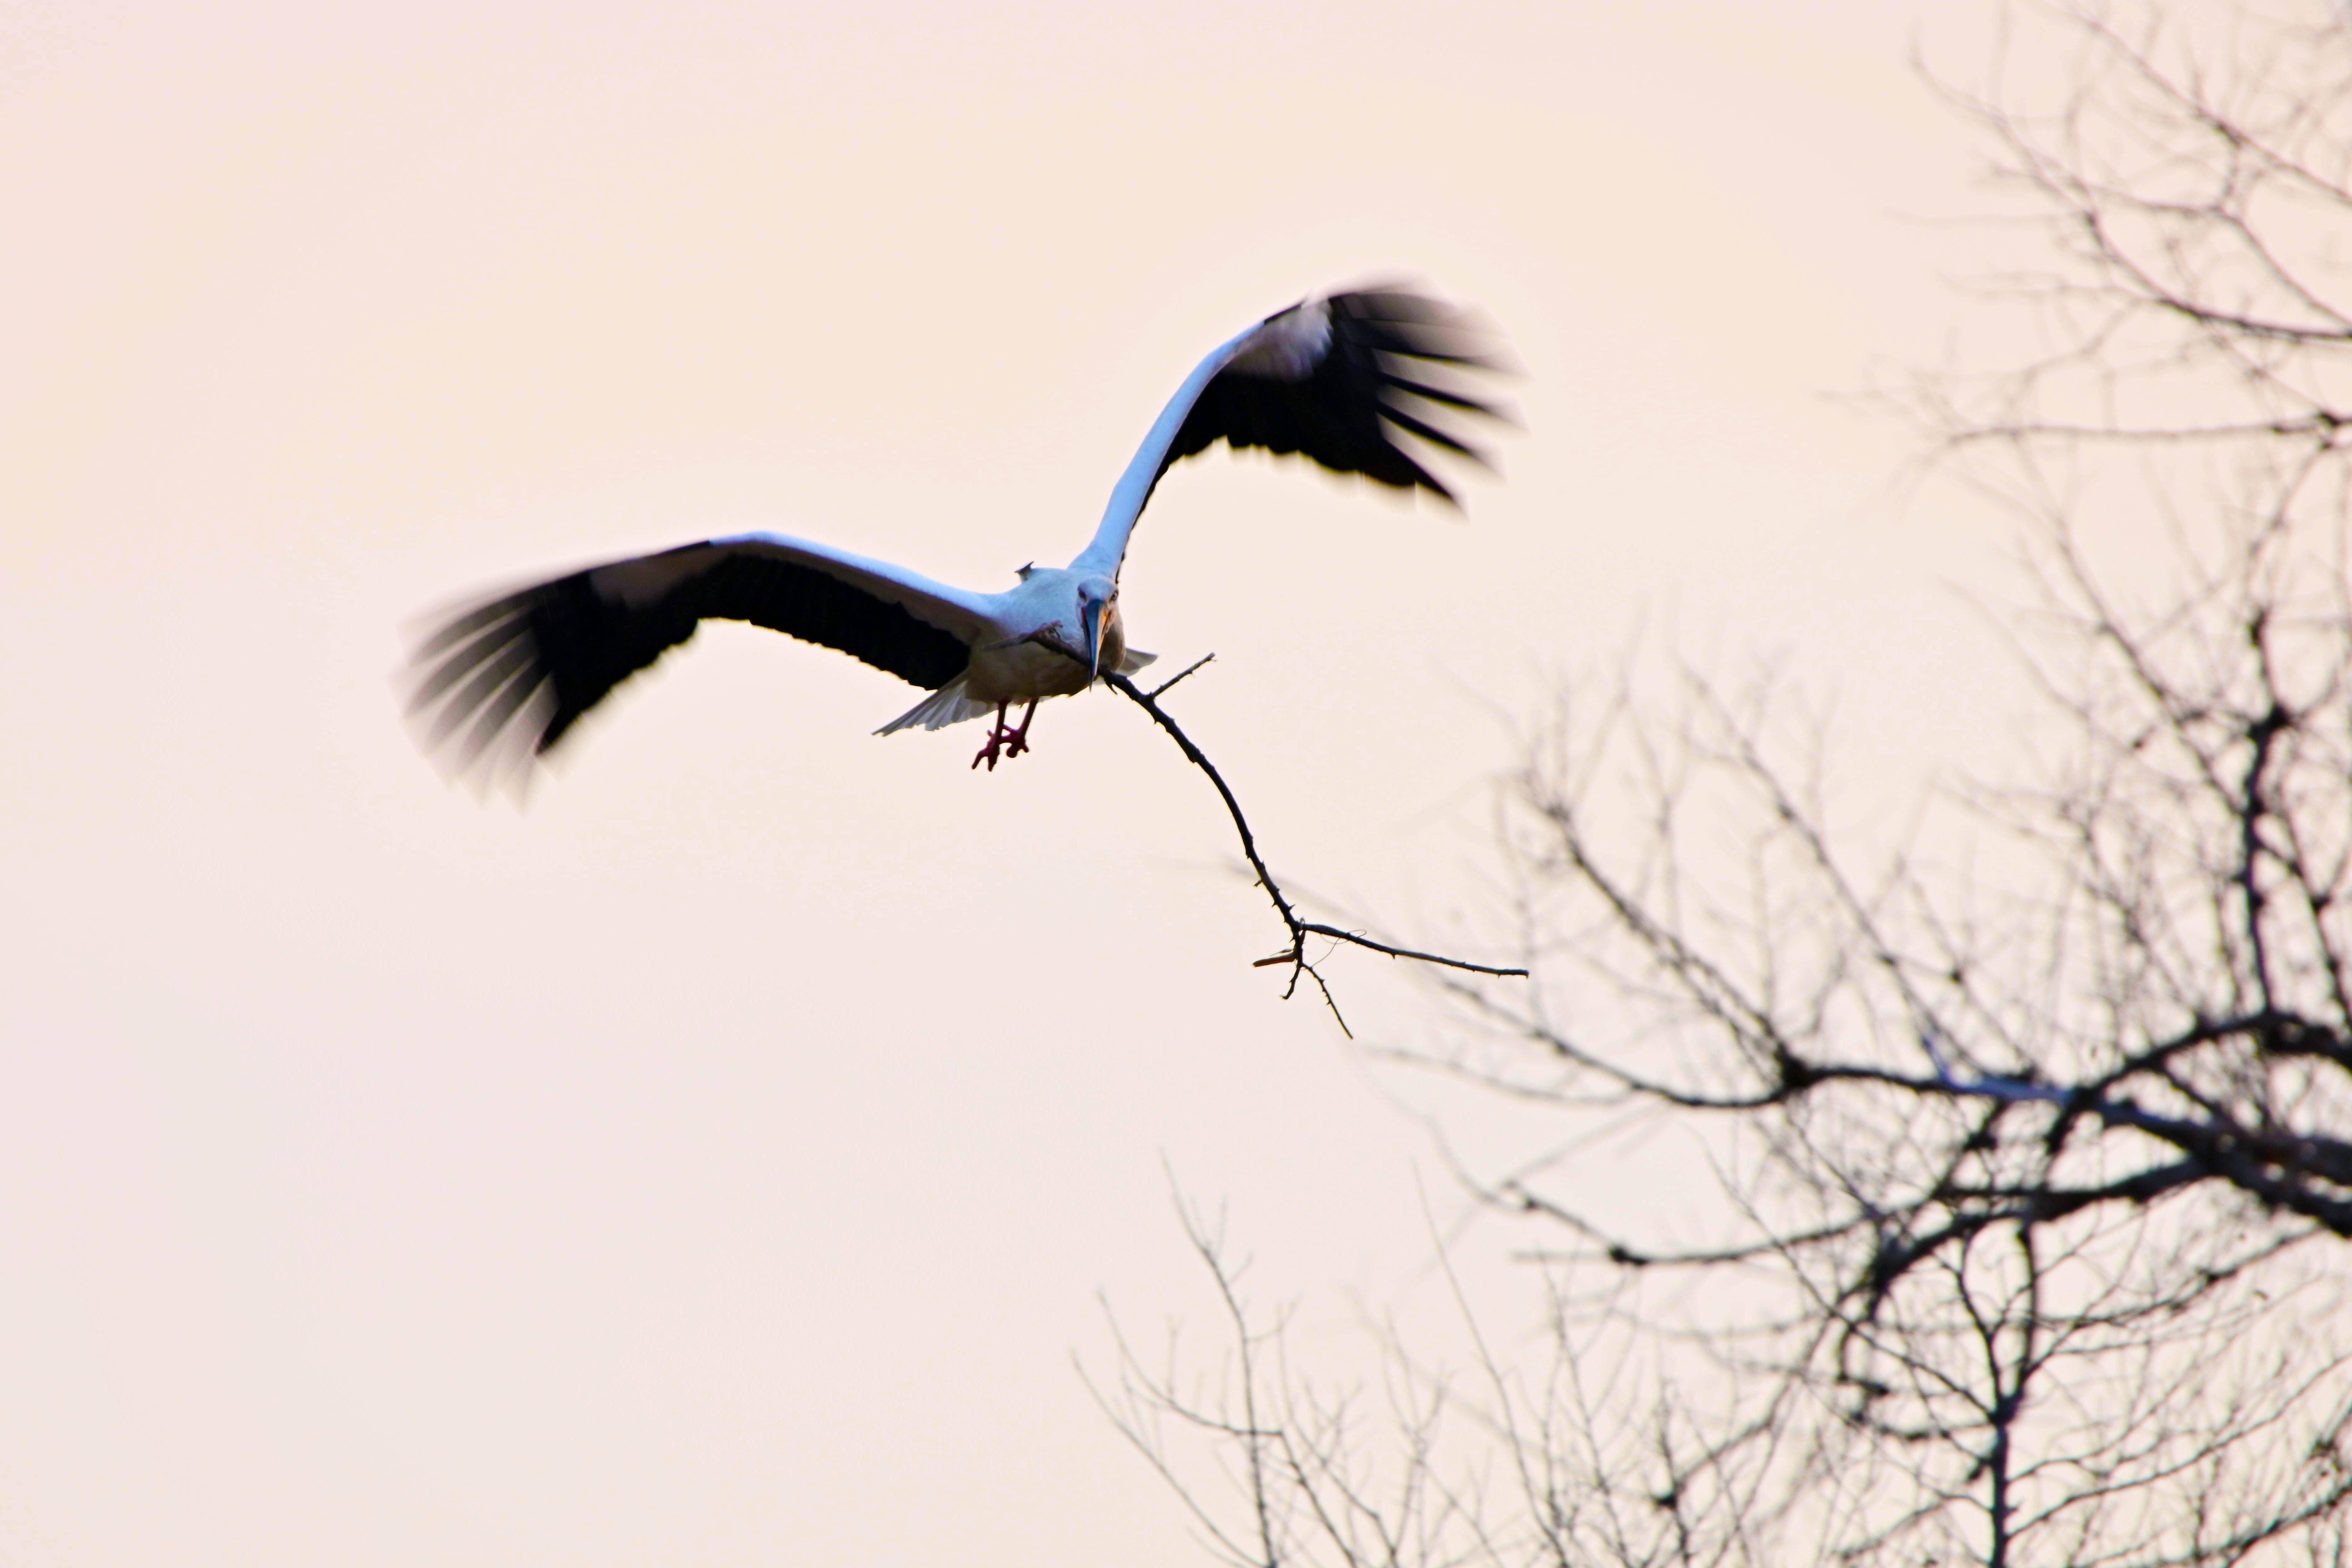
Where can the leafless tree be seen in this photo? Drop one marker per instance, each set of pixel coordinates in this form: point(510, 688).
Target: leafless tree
point(2033, 1137)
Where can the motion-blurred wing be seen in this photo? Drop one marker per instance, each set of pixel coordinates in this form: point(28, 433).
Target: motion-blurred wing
point(1333, 379)
point(526, 666)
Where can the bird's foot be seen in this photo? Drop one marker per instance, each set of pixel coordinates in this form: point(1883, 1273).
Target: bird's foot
point(1018, 742)
point(1003, 742)
point(997, 733)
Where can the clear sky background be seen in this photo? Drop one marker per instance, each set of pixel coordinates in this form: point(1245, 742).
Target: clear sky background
point(721, 1161)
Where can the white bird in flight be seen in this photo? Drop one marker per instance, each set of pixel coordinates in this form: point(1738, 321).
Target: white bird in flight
point(1333, 378)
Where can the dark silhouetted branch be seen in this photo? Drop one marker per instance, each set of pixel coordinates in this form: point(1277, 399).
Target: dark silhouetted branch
point(1299, 930)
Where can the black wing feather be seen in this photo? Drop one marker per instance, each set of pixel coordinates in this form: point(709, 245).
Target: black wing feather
point(1341, 413)
point(555, 652)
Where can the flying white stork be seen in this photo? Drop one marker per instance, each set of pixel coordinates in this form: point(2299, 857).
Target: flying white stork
point(1333, 378)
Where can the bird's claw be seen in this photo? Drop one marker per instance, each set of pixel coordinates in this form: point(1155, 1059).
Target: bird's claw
point(1003, 742)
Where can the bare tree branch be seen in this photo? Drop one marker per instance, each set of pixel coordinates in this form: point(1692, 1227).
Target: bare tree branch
point(2030, 1134)
point(1299, 930)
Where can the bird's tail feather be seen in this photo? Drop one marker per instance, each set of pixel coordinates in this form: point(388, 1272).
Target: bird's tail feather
point(947, 706)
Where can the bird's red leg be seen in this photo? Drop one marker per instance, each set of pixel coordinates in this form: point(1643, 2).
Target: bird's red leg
point(1018, 742)
point(997, 735)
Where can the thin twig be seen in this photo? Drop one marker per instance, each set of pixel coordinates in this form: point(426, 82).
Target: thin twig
point(1162, 690)
point(1355, 940)
point(1299, 930)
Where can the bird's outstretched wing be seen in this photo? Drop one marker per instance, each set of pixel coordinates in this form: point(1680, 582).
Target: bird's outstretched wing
point(513, 674)
point(1333, 379)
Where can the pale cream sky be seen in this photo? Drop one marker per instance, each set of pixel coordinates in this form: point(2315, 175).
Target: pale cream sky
point(719, 1161)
